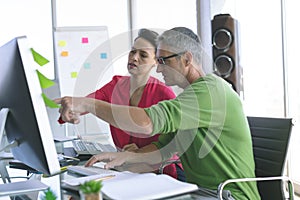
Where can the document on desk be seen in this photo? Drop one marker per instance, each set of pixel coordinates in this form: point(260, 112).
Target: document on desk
point(81, 180)
point(132, 186)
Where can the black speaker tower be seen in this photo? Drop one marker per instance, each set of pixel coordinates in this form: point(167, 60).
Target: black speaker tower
point(226, 50)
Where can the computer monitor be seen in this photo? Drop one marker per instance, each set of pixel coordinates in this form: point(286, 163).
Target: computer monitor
point(27, 123)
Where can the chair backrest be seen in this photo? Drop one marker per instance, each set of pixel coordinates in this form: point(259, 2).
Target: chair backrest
point(270, 137)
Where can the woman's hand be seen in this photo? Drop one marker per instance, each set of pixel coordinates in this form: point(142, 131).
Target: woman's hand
point(130, 147)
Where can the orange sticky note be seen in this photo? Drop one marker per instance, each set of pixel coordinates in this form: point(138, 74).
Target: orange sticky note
point(85, 40)
point(64, 53)
point(73, 74)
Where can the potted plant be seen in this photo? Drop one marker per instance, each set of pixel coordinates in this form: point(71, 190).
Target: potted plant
point(49, 195)
point(91, 190)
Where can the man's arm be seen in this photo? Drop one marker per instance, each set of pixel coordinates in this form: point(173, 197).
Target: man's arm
point(127, 118)
point(115, 159)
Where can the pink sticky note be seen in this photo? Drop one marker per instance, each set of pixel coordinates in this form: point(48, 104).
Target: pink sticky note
point(85, 40)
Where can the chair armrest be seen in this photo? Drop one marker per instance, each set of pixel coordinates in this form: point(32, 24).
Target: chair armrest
point(166, 163)
point(283, 178)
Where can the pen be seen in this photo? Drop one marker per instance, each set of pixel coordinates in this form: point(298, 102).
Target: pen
point(62, 169)
point(71, 158)
point(105, 178)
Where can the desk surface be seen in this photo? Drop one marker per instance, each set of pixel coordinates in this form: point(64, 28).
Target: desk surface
point(148, 185)
point(64, 193)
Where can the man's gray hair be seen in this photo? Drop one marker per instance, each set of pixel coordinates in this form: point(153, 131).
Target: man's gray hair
point(181, 39)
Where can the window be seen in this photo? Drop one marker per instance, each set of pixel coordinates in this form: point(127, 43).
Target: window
point(164, 14)
point(93, 13)
point(292, 49)
point(261, 57)
point(113, 14)
point(262, 54)
point(31, 18)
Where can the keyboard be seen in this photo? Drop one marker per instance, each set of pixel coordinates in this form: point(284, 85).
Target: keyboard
point(87, 171)
point(83, 147)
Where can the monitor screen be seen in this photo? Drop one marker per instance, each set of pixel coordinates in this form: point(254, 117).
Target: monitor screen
point(27, 121)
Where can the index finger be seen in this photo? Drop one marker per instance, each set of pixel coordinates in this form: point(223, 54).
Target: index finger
point(58, 100)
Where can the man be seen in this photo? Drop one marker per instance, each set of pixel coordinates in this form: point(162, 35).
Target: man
point(206, 124)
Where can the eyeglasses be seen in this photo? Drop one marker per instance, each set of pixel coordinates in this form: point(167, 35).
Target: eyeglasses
point(161, 60)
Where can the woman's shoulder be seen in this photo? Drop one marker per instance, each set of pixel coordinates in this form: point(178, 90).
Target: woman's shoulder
point(161, 88)
point(120, 77)
point(158, 84)
point(155, 80)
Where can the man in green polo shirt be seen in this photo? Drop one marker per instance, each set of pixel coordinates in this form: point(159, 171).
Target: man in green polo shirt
point(205, 125)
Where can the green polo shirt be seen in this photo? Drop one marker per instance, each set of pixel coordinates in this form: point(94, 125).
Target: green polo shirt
point(207, 127)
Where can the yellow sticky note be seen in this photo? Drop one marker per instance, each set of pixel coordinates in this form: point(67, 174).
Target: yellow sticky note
point(49, 103)
point(74, 74)
point(62, 43)
point(44, 81)
point(64, 53)
point(39, 59)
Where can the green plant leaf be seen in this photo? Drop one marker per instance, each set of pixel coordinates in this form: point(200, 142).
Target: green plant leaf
point(91, 186)
point(49, 195)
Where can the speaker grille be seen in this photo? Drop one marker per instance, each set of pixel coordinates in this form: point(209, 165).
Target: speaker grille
point(222, 39)
point(223, 66)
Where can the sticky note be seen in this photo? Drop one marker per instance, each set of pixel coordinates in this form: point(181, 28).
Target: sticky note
point(64, 53)
point(62, 43)
point(49, 103)
point(85, 40)
point(74, 74)
point(87, 65)
point(44, 81)
point(103, 55)
point(38, 58)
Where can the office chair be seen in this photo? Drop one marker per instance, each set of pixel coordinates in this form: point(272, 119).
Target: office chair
point(270, 138)
point(166, 163)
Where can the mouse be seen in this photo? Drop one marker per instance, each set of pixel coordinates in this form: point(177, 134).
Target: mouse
point(100, 164)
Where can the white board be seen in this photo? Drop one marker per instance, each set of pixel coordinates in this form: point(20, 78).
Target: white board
point(83, 63)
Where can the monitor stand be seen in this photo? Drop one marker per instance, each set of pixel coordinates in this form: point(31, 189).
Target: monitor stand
point(16, 188)
point(4, 156)
point(3, 116)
